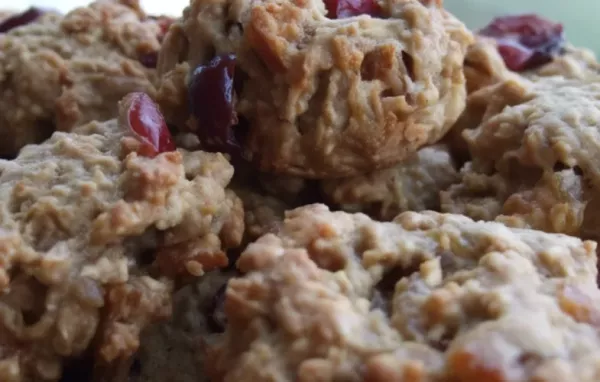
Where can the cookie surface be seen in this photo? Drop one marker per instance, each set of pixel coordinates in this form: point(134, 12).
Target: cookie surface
point(318, 97)
point(92, 232)
point(433, 297)
point(57, 72)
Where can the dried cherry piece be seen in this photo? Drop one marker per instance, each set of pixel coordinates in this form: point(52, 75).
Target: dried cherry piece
point(23, 18)
point(212, 102)
point(341, 9)
point(147, 124)
point(149, 60)
point(526, 41)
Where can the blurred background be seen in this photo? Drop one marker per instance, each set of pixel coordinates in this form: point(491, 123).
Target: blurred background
point(579, 18)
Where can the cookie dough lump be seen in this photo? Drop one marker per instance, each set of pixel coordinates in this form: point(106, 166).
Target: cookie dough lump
point(427, 297)
point(535, 163)
point(93, 226)
point(57, 72)
point(299, 93)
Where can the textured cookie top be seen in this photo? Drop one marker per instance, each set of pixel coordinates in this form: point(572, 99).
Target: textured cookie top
point(535, 162)
point(85, 220)
point(57, 72)
point(318, 97)
point(433, 297)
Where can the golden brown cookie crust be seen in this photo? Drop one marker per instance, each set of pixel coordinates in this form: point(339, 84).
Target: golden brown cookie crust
point(326, 98)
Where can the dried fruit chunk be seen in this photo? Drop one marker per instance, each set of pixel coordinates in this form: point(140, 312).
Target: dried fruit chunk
point(340, 9)
point(21, 19)
point(147, 124)
point(526, 41)
point(149, 60)
point(212, 99)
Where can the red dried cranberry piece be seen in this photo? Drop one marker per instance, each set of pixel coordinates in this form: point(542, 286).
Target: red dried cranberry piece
point(341, 9)
point(149, 60)
point(21, 19)
point(147, 124)
point(212, 102)
point(526, 41)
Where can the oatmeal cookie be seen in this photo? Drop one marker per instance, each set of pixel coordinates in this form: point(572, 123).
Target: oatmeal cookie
point(58, 72)
point(314, 96)
point(534, 162)
point(427, 297)
point(412, 185)
point(93, 226)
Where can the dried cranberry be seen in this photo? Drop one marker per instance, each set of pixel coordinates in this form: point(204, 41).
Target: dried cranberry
point(147, 124)
point(149, 60)
point(526, 41)
point(212, 101)
point(21, 19)
point(341, 9)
